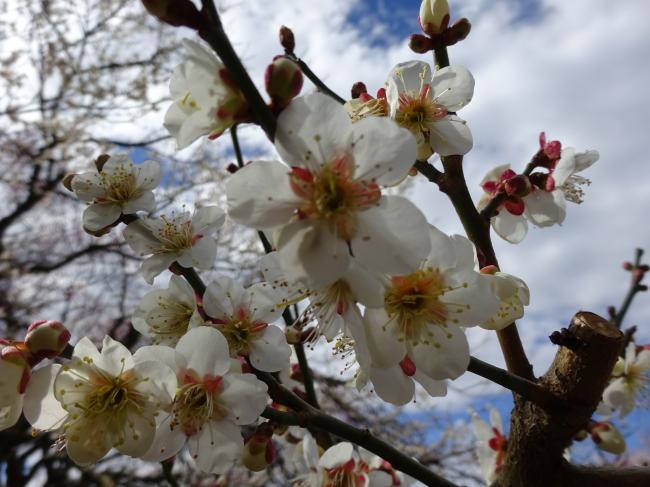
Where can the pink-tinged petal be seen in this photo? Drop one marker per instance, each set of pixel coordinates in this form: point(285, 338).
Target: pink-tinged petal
point(391, 237)
point(146, 202)
point(452, 87)
point(449, 360)
point(313, 130)
point(100, 215)
point(148, 175)
point(336, 455)
point(310, 251)
point(435, 388)
point(392, 385)
point(512, 228)
point(222, 297)
point(260, 196)
point(269, 351)
point(167, 442)
point(205, 351)
point(542, 208)
point(383, 338)
point(383, 151)
point(244, 396)
point(217, 447)
point(41, 409)
point(451, 136)
point(494, 174)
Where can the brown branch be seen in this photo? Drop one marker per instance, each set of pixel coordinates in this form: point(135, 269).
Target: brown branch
point(635, 287)
point(322, 87)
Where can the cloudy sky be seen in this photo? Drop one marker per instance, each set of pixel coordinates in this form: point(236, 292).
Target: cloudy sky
point(574, 69)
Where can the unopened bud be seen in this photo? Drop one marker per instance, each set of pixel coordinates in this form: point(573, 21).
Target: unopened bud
point(434, 16)
point(518, 186)
point(174, 12)
point(259, 451)
point(628, 266)
point(287, 40)
point(420, 44)
point(607, 438)
point(46, 339)
point(458, 31)
point(611, 311)
point(67, 181)
point(232, 168)
point(581, 435)
point(489, 269)
point(100, 161)
point(283, 81)
point(641, 287)
point(358, 89)
point(644, 268)
point(293, 335)
point(638, 275)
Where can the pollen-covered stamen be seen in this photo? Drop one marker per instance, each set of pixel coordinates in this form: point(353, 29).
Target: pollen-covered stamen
point(572, 188)
point(120, 186)
point(176, 235)
point(332, 194)
point(196, 402)
point(172, 318)
point(240, 331)
point(414, 301)
point(347, 475)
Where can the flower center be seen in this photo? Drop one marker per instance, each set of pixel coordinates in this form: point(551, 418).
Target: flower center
point(333, 195)
point(414, 301)
point(112, 394)
point(120, 186)
point(175, 235)
point(170, 319)
point(240, 331)
point(499, 443)
point(196, 402)
point(344, 476)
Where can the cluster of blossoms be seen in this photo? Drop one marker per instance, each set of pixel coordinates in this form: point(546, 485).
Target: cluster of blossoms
point(380, 281)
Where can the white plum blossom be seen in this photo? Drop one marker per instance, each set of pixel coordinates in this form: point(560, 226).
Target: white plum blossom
point(326, 204)
point(491, 445)
point(423, 102)
point(103, 400)
point(14, 379)
point(243, 316)
point(212, 401)
point(206, 99)
point(119, 187)
point(513, 294)
point(333, 308)
point(424, 311)
point(177, 238)
point(165, 315)
point(565, 180)
point(630, 380)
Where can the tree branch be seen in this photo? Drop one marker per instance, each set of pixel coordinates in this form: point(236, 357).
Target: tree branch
point(313, 78)
point(635, 287)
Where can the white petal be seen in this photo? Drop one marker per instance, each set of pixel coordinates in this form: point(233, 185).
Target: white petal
point(115, 358)
point(565, 167)
point(207, 219)
point(449, 360)
point(392, 385)
point(310, 251)
point(149, 175)
point(140, 238)
point(155, 264)
point(443, 254)
point(366, 286)
point(146, 202)
point(217, 447)
point(100, 215)
point(405, 78)
point(10, 413)
point(383, 338)
point(163, 354)
point(222, 297)
point(451, 136)
point(435, 388)
point(87, 441)
point(472, 301)
point(336, 455)
point(512, 228)
point(392, 237)
point(542, 208)
point(269, 351)
point(259, 195)
point(10, 378)
point(167, 442)
point(205, 351)
point(586, 159)
point(137, 434)
point(383, 151)
point(201, 255)
point(263, 302)
point(88, 186)
point(494, 174)
point(160, 380)
point(244, 396)
point(453, 87)
point(313, 130)
point(41, 409)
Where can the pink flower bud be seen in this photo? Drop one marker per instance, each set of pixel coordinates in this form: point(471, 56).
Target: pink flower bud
point(552, 149)
point(283, 81)
point(607, 438)
point(46, 339)
point(358, 89)
point(420, 44)
point(287, 40)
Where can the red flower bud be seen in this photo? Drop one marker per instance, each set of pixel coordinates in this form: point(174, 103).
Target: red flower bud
point(420, 44)
point(287, 40)
point(358, 89)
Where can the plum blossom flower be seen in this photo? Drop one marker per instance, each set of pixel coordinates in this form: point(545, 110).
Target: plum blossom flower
point(243, 316)
point(423, 103)
point(212, 401)
point(513, 294)
point(104, 400)
point(630, 380)
point(424, 311)
point(334, 307)
point(117, 187)
point(491, 444)
point(607, 437)
point(20, 388)
point(328, 203)
point(206, 99)
point(166, 315)
point(381, 473)
point(180, 237)
point(565, 180)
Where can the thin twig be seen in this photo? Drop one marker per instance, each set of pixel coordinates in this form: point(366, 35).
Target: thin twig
point(631, 292)
point(313, 78)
